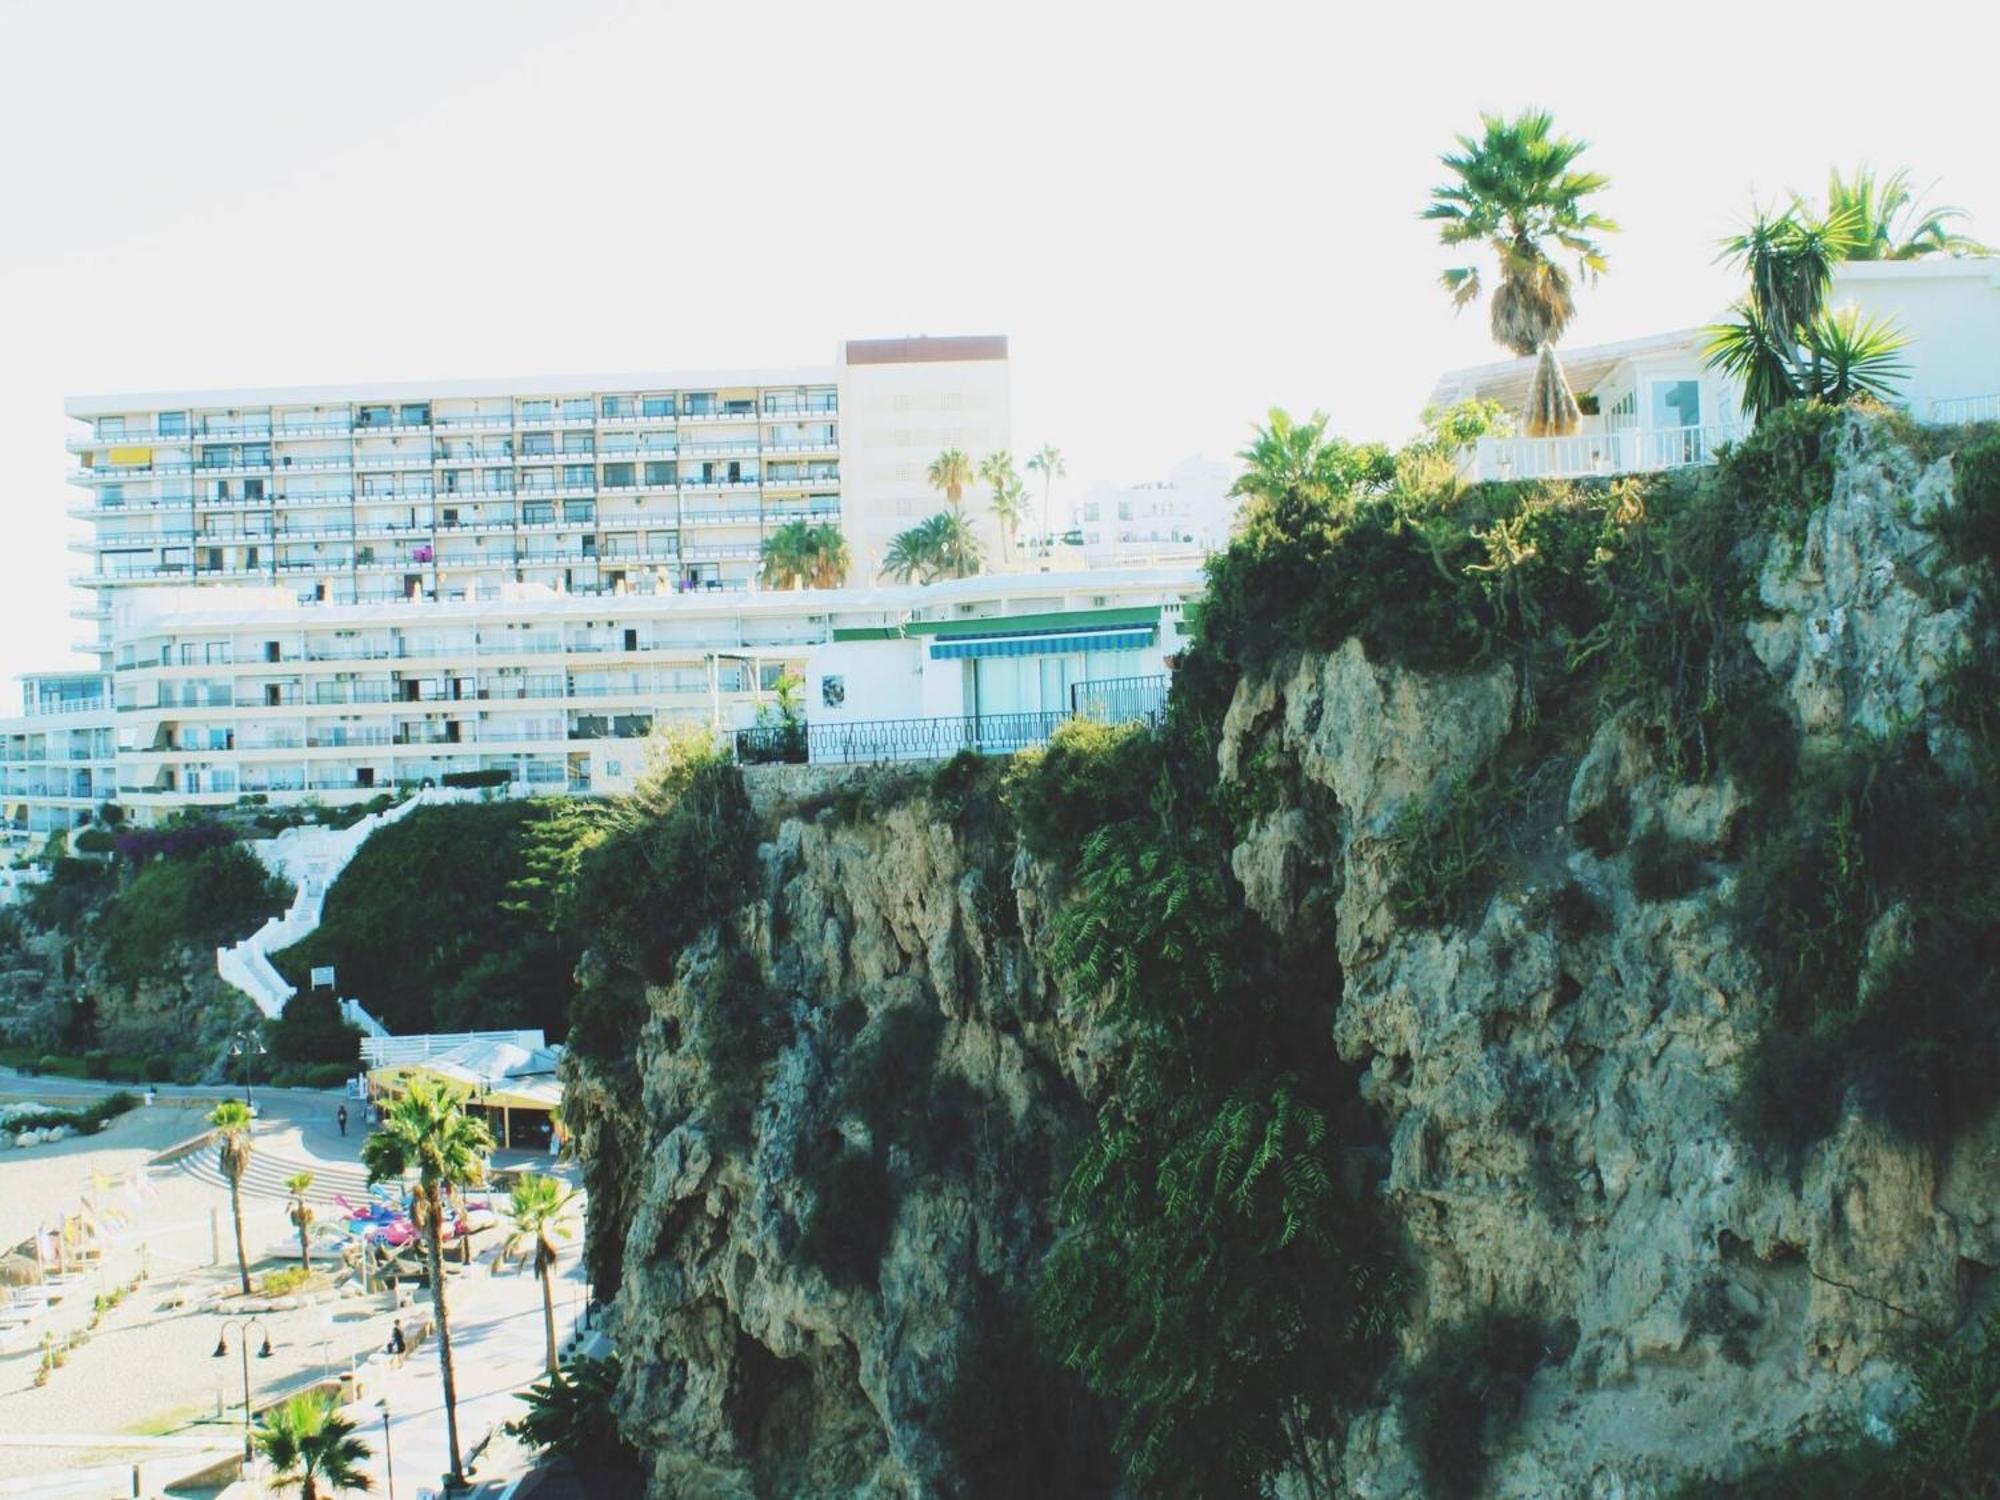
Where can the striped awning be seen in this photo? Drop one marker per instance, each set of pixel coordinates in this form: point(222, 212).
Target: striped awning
point(1043, 645)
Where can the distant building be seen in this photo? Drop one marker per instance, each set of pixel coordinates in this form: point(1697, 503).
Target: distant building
point(1186, 515)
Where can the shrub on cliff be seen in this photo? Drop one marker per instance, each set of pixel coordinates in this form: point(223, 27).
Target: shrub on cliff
point(201, 900)
point(677, 855)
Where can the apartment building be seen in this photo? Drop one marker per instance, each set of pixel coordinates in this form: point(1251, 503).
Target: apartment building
point(1186, 515)
point(452, 491)
point(57, 759)
point(221, 693)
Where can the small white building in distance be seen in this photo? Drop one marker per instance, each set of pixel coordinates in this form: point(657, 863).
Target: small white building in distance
point(1186, 515)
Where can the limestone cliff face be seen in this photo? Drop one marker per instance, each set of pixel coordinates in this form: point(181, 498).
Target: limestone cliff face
point(749, 1370)
point(1558, 1105)
point(1556, 1091)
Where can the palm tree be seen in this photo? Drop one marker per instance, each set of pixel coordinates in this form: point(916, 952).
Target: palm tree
point(950, 472)
point(1516, 191)
point(539, 1210)
point(996, 470)
point(943, 546)
point(301, 1213)
point(909, 558)
point(310, 1444)
point(428, 1131)
point(1889, 223)
point(1288, 459)
point(231, 1122)
point(1047, 462)
point(801, 555)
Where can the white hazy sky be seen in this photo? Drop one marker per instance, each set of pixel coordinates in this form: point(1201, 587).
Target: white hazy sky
point(1180, 214)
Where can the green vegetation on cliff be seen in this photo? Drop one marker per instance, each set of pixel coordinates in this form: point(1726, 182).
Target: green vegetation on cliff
point(447, 920)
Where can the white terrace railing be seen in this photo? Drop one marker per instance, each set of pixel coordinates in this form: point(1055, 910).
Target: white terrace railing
point(1961, 409)
point(1629, 450)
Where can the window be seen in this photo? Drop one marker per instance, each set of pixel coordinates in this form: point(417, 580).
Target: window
point(417, 414)
point(537, 513)
point(580, 510)
point(618, 476)
point(698, 403)
point(253, 489)
point(579, 442)
point(1676, 403)
point(576, 408)
point(580, 476)
point(616, 406)
point(657, 473)
point(656, 406)
point(537, 411)
point(536, 444)
point(173, 423)
point(375, 416)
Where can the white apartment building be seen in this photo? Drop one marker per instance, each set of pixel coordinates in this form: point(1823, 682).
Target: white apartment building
point(451, 491)
point(324, 591)
point(57, 759)
point(223, 693)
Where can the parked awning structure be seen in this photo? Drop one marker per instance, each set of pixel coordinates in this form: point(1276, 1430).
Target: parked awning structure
point(1052, 644)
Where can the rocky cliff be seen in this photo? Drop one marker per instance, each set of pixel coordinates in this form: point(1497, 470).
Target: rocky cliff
point(1551, 1032)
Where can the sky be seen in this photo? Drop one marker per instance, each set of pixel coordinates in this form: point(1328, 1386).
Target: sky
point(1180, 215)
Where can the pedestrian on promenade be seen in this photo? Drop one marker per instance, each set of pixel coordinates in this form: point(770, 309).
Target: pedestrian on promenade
point(340, 1118)
point(397, 1343)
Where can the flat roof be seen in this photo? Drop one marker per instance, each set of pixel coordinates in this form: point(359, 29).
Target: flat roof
point(115, 403)
point(924, 350)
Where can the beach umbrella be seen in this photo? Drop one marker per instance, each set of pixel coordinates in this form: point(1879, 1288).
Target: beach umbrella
point(1551, 410)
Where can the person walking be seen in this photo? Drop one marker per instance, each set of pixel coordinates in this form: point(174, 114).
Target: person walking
point(340, 1119)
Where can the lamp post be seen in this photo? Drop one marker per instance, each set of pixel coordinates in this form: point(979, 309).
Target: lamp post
point(245, 1044)
point(243, 1327)
point(388, 1453)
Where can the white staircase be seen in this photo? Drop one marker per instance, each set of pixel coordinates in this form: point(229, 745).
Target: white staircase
point(311, 859)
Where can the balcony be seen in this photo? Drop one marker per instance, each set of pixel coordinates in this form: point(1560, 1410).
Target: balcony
point(1588, 455)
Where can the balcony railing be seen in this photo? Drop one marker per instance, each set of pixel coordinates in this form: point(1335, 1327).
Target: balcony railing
point(1960, 409)
point(1584, 455)
point(1114, 700)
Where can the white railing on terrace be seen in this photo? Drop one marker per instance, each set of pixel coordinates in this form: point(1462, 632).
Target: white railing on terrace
point(1967, 409)
point(387, 1051)
point(1582, 455)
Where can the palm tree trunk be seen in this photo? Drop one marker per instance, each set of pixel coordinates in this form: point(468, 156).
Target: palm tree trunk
point(236, 1213)
point(305, 1251)
point(434, 1234)
point(308, 1487)
point(549, 1309)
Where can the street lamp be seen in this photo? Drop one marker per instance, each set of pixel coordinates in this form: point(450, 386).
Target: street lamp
point(246, 1044)
point(243, 1327)
point(388, 1453)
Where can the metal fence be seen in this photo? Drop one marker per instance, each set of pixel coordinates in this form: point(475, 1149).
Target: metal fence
point(1111, 700)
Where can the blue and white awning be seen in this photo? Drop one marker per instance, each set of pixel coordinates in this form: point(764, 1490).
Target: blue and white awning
point(1043, 645)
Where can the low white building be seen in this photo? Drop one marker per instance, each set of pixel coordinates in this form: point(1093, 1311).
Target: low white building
point(1950, 312)
point(979, 668)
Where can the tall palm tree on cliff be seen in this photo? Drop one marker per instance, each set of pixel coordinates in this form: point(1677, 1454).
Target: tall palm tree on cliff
point(231, 1122)
point(539, 1212)
point(427, 1131)
point(1515, 190)
point(1047, 462)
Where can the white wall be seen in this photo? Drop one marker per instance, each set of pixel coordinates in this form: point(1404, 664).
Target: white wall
point(879, 680)
point(1950, 311)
